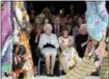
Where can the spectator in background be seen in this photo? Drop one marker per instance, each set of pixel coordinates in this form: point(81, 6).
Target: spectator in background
point(75, 17)
point(32, 17)
point(46, 11)
point(71, 10)
point(79, 21)
point(42, 17)
point(48, 45)
point(81, 40)
point(69, 24)
point(84, 19)
point(39, 22)
point(57, 26)
point(46, 21)
point(52, 21)
point(53, 9)
point(64, 22)
point(76, 28)
point(34, 38)
point(62, 12)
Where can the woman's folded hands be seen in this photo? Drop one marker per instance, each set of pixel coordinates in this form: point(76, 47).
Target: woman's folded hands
point(48, 45)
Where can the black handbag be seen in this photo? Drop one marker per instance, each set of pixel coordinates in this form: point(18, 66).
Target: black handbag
point(48, 45)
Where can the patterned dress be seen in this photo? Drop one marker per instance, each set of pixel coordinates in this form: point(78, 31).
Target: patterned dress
point(6, 38)
point(96, 19)
point(69, 55)
point(21, 20)
point(28, 65)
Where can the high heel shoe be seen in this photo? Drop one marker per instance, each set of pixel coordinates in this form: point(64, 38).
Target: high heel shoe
point(51, 75)
point(48, 75)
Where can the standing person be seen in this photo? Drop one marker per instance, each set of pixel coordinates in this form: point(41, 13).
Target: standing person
point(48, 45)
point(81, 40)
point(68, 52)
point(34, 39)
point(57, 26)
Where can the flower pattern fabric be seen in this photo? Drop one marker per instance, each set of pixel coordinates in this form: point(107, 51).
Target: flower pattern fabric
point(96, 19)
point(6, 37)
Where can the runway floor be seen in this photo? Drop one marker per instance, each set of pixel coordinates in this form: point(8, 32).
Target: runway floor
point(61, 77)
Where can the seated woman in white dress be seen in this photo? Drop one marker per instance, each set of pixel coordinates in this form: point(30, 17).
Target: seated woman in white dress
point(68, 56)
point(48, 44)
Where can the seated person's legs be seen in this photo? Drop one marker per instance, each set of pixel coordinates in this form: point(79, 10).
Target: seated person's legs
point(47, 62)
point(53, 60)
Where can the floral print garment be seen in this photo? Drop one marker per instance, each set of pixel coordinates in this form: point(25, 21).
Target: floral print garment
point(21, 20)
point(6, 37)
point(96, 19)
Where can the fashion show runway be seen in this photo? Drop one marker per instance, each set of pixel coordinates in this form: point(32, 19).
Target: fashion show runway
point(45, 77)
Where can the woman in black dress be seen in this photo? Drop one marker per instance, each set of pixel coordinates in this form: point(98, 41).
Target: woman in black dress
point(81, 40)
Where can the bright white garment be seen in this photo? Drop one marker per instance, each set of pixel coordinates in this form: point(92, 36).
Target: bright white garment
point(52, 39)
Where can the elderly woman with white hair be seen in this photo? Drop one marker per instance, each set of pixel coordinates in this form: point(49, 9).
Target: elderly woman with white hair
point(48, 44)
point(81, 40)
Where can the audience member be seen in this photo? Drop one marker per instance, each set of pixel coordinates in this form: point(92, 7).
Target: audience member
point(48, 45)
point(66, 43)
point(76, 28)
point(35, 32)
point(57, 26)
point(81, 40)
point(70, 24)
point(32, 16)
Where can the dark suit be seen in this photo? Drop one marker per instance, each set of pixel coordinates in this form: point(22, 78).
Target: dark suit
point(79, 40)
point(57, 29)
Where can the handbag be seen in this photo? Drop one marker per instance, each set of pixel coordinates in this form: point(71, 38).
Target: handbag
point(48, 45)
